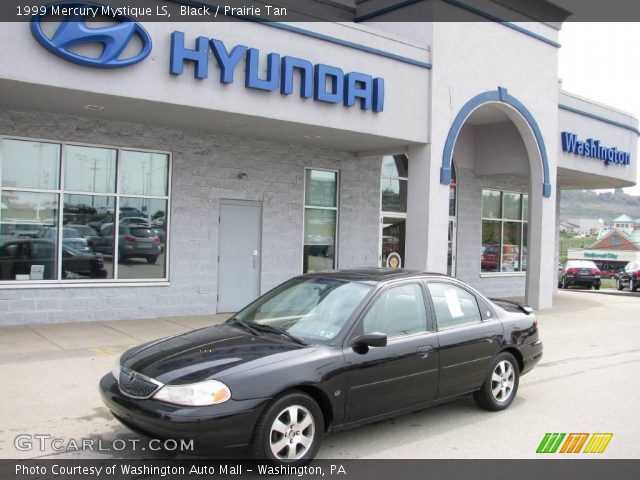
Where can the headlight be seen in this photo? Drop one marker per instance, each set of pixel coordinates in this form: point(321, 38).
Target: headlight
point(115, 371)
point(199, 394)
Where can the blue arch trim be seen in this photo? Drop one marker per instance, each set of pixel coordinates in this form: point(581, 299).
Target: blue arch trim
point(500, 95)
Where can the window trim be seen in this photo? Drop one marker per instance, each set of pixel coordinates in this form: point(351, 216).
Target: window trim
point(502, 220)
point(336, 209)
point(60, 192)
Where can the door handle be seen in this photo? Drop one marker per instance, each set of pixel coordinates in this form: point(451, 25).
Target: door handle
point(489, 336)
point(423, 352)
point(255, 259)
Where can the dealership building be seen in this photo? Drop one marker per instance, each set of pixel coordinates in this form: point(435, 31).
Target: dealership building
point(154, 169)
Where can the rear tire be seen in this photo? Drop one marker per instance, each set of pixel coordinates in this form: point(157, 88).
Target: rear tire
point(501, 385)
point(596, 287)
point(632, 285)
point(565, 285)
point(290, 431)
point(152, 260)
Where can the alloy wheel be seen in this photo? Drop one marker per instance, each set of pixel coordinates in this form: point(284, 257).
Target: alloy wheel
point(292, 433)
point(502, 381)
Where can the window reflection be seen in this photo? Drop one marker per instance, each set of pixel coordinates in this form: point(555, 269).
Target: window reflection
point(90, 169)
point(393, 241)
point(141, 238)
point(504, 237)
point(143, 173)
point(319, 240)
point(23, 255)
point(85, 237)
point(320, 215)
point(27, 164)
point(31, 239)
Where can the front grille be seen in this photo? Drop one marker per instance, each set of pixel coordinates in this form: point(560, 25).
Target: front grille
point(136, 385)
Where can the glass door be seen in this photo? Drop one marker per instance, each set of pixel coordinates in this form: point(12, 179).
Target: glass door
point(393, 206)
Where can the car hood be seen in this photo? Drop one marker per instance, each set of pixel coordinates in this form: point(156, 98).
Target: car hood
point(210, 352)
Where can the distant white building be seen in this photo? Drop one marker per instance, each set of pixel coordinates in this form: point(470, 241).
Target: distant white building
point(584, 226)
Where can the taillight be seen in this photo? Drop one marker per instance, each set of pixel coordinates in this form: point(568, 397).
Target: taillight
point(595, 271)
point(129, 238)
point(636, 273)
point(156, 240)
point(571, 271)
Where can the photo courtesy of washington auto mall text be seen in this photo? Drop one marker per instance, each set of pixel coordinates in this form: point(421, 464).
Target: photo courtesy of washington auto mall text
point(348, 239)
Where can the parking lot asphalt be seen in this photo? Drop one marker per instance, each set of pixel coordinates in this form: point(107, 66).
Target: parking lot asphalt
point(587, 381)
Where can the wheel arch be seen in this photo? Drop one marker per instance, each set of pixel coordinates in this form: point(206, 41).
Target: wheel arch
point(319, 396)
point(517, 355)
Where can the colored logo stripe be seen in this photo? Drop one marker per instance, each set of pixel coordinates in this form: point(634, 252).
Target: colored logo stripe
point(574, 442)
point(598, 442)
point(550, 443)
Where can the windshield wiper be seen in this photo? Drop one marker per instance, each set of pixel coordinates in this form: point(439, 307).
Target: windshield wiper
point(279, 331)
point(246, 326)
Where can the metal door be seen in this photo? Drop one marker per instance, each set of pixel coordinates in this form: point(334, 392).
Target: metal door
point(238, 254)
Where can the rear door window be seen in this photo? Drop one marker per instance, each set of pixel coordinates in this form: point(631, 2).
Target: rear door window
point(454, 306)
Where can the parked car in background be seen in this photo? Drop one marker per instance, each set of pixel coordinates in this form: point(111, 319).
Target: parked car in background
point(89, 233)
point(70, 237)
point(323, 352)
point(105, 210)
point(583, 273)
point(135, 221)
point(134, 241)
point(629, 277)
point(130, 212)
point(490, 259)
point(19, 256)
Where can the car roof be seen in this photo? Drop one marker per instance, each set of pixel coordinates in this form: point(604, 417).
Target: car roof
point(373, 275)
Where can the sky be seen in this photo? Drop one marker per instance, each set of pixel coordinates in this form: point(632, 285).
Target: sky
point(597, 61)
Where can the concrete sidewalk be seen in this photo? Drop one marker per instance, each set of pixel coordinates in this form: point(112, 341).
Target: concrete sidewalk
point(102, 338)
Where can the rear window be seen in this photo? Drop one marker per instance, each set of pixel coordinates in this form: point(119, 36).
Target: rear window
point(581, 264)
point(142, 232)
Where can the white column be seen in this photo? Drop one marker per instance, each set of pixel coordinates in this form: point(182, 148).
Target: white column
point(541, 268)
point(427, 213)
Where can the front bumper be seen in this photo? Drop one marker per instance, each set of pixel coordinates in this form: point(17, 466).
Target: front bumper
point(227, 425)
point(531, 355)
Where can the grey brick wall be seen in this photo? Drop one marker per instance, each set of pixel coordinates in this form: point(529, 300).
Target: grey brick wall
point(205, 170)
point(469, 236)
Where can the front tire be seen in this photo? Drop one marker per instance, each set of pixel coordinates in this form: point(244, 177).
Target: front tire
point(501, 385)
point(619, 285)
point(290, 431)
point(565, 285)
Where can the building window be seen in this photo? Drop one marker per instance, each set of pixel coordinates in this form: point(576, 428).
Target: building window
point(320, 220)
point(504, 231)
point(393, 216)
point(82, 213)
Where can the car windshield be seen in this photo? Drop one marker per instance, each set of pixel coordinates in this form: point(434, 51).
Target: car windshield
point(313, 309)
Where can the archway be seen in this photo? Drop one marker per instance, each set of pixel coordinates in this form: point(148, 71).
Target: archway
point(504, 187)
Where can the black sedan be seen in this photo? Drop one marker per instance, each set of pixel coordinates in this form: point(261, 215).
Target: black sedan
point(629, 277)
point(582, 273)
point(324, 352)
point(18, 257)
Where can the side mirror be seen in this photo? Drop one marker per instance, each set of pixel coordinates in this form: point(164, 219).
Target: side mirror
point(373, 339)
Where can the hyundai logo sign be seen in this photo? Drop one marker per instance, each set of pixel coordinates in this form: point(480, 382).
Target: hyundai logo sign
point(74, 32)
